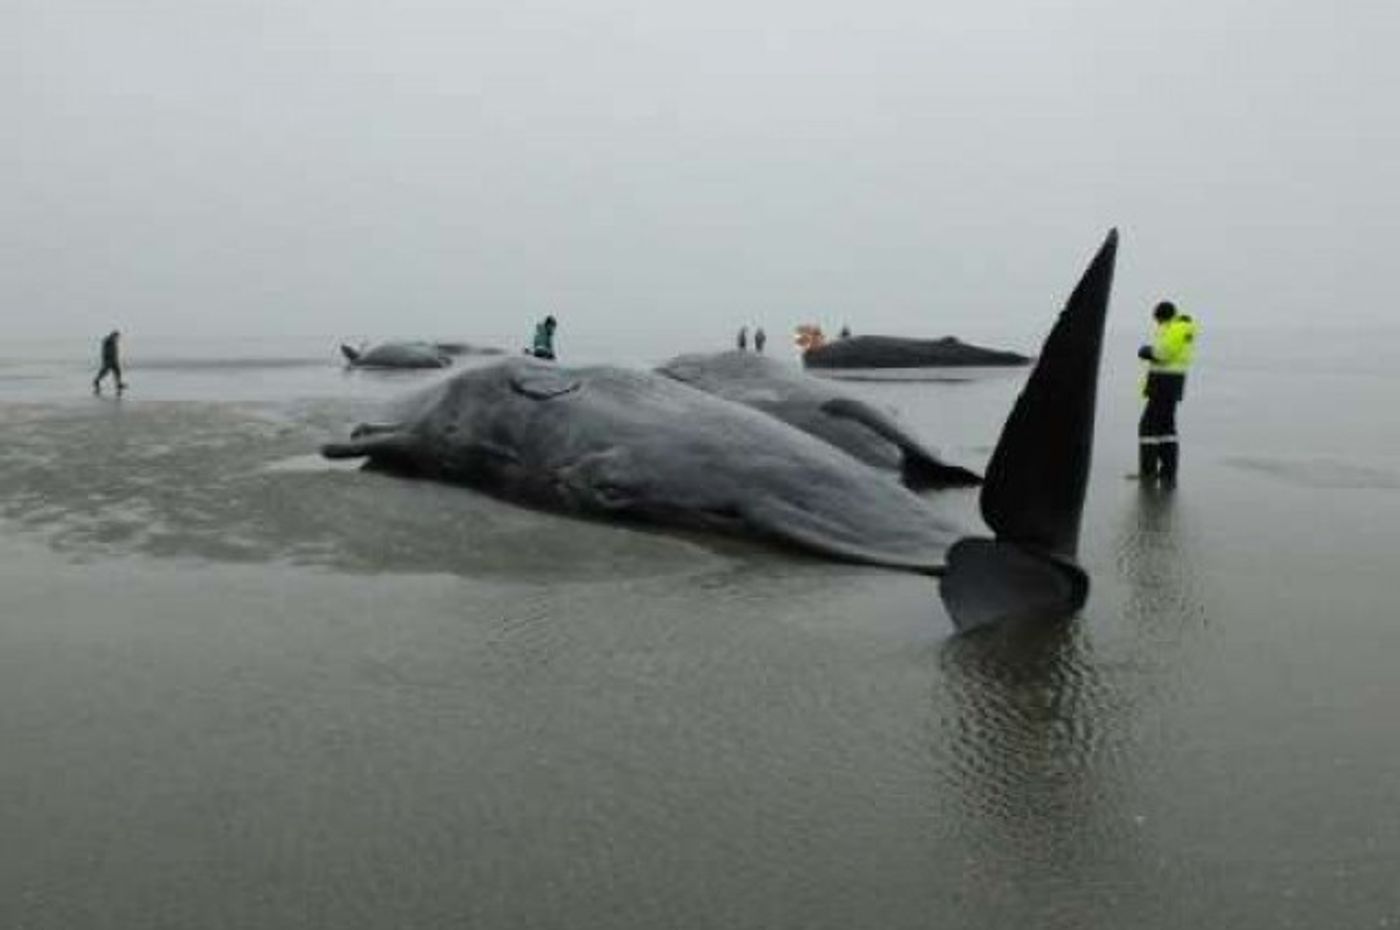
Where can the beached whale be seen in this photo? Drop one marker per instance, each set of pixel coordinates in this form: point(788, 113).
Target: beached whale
point(897, 352)
point(616, 441)
point(397, 355)
point(611, 441)
point(817, 406)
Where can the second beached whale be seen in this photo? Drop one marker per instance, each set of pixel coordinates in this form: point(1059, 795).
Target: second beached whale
point(819, 407)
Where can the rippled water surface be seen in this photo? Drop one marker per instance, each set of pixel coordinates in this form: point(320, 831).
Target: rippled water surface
point(242, 687)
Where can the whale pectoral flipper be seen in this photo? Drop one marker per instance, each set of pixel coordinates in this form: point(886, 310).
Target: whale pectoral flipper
point(807, 530)
point(921, 466)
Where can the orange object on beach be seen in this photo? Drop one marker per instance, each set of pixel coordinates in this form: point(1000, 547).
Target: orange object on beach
point(809, 336)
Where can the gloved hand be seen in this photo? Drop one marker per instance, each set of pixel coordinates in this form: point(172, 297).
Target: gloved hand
point(1145, 353)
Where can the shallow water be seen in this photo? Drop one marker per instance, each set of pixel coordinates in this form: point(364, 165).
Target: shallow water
point(240, 686)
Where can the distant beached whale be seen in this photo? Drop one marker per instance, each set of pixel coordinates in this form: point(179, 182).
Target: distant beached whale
point(611, 442)
point(816, 406)
point(897, 352)
point(397, 355)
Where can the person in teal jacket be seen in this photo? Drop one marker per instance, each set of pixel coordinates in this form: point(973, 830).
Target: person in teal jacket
point(543, 346)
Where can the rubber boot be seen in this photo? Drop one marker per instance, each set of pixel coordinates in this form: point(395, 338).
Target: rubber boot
point(1170, 455)
point(1147, 461)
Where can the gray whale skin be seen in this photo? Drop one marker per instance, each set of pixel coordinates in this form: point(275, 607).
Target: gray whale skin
point(397, 355)
point(816, 406)
point(610, 441)
point(898, 352)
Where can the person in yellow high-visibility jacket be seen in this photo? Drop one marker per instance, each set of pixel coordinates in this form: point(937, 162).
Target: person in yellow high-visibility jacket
point(1168, 358)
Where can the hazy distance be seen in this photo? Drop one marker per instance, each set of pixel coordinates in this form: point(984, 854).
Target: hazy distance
point(661, 172)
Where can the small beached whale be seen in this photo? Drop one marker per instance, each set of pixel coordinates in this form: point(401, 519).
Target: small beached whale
point(817, 406)
point(611, 441)
point(897, 352)
point(397, 355)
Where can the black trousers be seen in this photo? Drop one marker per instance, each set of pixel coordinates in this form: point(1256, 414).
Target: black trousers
point(1159, 453)
point(114, 368)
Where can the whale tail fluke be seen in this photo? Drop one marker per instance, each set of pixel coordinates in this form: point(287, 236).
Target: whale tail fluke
point(1033, 491)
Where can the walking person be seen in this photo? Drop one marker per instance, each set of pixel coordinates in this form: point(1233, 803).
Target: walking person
point(543, 346)
point(759, 339)
point(1168, 358)
point(111, 363)
point(743, 340)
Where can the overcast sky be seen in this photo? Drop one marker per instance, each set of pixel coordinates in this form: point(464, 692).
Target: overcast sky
point(647, 167)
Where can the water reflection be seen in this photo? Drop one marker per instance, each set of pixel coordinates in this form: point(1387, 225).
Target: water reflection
point(1053, 733)
point(1156, 554)
point(1038, 763)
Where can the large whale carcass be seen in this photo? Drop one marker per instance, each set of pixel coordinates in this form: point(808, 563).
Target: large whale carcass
point(900, 352)
point(817, 406)
point(611, 441)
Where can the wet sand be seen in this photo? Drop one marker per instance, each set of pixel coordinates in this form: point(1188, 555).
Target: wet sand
point(243, 687)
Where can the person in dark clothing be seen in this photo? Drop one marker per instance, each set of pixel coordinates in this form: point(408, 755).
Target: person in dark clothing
point(743, 339)
point(543, 346)
point(111, 362)
point(759, 339)
point(1168, 358)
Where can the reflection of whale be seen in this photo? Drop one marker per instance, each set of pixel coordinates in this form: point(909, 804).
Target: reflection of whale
point(397, 355)
point(815, 406)
point(616, 442)
point(896, 352)
point(1041, 739)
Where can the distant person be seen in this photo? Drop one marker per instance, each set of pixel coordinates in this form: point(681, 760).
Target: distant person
point(743, 341)
point(111, 362)
point(845, 332)
point(1168, 358)
point(544, 339)
point(760, 338)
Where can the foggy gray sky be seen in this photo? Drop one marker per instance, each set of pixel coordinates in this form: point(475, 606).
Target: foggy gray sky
point(652, 168)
